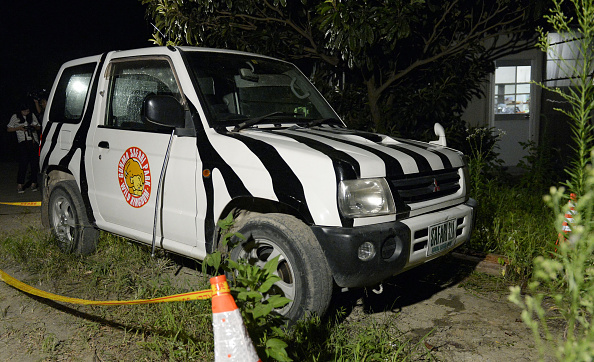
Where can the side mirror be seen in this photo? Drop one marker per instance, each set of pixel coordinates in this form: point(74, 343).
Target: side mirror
point(163, 111)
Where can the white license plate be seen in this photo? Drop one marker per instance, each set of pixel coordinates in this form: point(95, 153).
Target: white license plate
point(441, 237)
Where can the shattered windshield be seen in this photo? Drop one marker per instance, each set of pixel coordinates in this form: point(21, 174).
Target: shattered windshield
point(241, 89)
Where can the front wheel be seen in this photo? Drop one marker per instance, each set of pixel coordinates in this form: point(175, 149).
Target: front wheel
point(305, 275)
point(68, 221)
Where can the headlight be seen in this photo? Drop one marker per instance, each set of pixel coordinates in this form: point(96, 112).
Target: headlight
point(365, 197)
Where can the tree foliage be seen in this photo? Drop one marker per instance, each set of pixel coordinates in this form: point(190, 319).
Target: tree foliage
point(396, 64)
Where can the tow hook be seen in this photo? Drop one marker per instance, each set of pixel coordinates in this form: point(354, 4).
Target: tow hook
point(379, 290)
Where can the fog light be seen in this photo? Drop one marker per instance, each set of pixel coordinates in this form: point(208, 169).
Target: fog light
point(366, 251)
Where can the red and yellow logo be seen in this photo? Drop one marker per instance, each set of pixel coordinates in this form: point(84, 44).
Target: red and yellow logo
point(134, 175)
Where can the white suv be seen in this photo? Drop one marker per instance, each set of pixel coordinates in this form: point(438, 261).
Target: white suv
point(157, 144)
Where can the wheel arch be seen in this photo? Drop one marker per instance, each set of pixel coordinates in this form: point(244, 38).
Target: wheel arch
point(306, 271)
point(242, 207)
point(52, 176)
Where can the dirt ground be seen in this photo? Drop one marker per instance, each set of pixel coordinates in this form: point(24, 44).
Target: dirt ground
point(462, 323)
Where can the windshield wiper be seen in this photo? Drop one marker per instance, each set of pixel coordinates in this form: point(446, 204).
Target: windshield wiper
point(317, 122)
point(321, 121)
point(253, 121)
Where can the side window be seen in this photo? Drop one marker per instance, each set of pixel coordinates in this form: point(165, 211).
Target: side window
point(71, 93)
point(129, 84)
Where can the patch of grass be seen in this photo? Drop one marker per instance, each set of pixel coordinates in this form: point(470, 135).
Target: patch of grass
point(516, 223)
point(363, 340)
point(121, 270)
point(49, 343)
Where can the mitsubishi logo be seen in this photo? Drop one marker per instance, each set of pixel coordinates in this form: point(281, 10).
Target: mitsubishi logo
point(435, 185)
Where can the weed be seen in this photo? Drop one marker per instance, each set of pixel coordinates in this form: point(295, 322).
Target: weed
point(316, 340)
point(566, 279)
point(576, 63)
point(483, 157)
point(541, 164)
point(49, 343)
point(250, 287)
point(510, 220)
point(515, 222)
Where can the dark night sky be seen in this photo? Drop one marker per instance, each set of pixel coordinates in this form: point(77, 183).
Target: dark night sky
point(39, 35)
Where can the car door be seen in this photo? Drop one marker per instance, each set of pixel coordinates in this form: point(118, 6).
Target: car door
point(128, 160)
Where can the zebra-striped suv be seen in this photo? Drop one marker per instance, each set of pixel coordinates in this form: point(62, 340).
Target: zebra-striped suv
point(158, 144)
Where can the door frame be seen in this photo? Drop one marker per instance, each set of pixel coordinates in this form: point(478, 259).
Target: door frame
point(534, 59)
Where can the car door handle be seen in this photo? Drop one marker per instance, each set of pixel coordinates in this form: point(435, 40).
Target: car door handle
point(104, 144)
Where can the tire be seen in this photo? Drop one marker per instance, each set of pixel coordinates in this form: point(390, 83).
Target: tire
point(305, 274)
point(69, 222)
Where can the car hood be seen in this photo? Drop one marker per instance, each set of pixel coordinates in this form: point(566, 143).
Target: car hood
point(358, 154)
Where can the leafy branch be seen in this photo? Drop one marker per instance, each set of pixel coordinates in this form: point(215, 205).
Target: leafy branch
point(250, 285)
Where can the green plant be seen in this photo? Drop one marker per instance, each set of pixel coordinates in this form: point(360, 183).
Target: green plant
point(250, 285)
point(50, 343)
point(539, 166)
point(578, 32)
point(482, 156)
point(521, 240)
point(315, 339)
point(565, 280)
point(513, 221)
point(542, 163)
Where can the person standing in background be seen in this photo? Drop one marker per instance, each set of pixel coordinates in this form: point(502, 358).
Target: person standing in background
point(25, 125)
point(40, 100)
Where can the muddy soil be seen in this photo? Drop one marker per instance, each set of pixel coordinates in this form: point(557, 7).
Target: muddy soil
point(464, 315)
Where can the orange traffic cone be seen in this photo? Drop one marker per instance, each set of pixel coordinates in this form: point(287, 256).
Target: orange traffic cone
point(232, 342)
point(568, 220)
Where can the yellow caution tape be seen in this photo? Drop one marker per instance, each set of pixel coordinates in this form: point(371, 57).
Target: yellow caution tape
point(32, 203)
point(203, 294)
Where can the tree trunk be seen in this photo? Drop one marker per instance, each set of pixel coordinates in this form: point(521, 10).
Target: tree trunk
point(374, 107)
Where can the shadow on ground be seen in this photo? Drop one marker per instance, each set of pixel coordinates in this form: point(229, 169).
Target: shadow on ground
point(408, 288)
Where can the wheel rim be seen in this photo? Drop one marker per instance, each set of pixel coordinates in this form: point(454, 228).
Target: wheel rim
point(259, 252)
point(63, 220)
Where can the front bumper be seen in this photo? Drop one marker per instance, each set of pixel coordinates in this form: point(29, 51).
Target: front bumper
point(399, 245)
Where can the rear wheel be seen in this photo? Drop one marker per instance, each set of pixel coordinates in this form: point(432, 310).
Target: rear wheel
point(68, 220)
point(305, 275)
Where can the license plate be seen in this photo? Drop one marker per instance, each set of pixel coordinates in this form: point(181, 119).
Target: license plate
point(441, 237)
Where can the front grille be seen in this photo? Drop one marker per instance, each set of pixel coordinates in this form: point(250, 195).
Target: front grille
point(417, 188)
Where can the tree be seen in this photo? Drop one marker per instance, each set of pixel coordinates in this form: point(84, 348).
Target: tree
point(392, 51)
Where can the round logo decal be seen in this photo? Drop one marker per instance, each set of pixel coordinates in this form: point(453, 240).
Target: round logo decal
point(134, 176)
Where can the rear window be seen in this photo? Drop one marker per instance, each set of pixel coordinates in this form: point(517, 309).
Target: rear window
point(71, 93)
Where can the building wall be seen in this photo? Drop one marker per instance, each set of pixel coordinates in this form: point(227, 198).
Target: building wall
point(476, 113)
point(480, 112)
